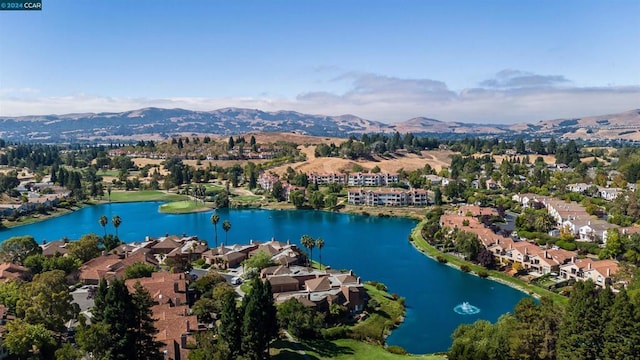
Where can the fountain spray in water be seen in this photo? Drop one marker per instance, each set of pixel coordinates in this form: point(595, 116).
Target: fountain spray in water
point(466, 309)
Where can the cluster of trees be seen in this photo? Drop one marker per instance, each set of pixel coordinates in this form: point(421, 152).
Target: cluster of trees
point(243, 332)
point(310, 243)
point(595, 325)
point(226, 226)
point(122, 325)
point(623, 247)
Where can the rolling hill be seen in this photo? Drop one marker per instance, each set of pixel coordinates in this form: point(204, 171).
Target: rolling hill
point(156, 123)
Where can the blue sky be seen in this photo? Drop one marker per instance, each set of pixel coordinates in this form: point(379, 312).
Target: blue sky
point(475, 61)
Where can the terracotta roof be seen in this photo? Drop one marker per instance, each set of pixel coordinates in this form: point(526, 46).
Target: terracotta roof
point(9, 271)
point(281, 280)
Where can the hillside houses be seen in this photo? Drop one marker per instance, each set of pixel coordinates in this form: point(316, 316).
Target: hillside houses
point(569, 216)
point(535, 259)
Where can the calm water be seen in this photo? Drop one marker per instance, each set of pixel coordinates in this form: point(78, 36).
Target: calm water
point(375, 248)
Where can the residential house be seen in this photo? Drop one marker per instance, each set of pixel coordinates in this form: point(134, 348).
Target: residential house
point(112, 266)
point(10, 271)
point(600, 271)
point(609, 193)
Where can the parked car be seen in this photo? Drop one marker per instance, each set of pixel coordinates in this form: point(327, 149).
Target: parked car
point(236, 280)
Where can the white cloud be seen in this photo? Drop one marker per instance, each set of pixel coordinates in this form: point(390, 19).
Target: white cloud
point(511, 96)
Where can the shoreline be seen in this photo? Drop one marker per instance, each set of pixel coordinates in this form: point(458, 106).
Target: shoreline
point(528, 289)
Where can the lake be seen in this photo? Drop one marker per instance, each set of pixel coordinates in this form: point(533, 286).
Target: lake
point(375, 248)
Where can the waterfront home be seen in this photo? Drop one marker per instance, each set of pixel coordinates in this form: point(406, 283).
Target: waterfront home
point(54, 248)
point(600, 271)
point(316, 288)
point(387, 197)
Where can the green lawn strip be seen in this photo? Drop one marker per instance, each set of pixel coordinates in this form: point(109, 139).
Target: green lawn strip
point(341, 349)
point(432, 252)
point(144, 195)
point(214, 187)
point(183, 207)
point(247, 198)
point(379, 323)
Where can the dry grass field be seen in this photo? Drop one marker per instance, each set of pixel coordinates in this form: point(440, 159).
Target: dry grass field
point(436, 158)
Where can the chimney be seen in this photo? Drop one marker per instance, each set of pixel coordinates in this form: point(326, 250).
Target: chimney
point(546, 254)
point(526, 251)
point(351, 272)
point(188, 327)
point(589, 266)
point(251, 242)
point(288, 242)
point(608, 272)
point(359, 280)
point(146, 238)
point(183, 341)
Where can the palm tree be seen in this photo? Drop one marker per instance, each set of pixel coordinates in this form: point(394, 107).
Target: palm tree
point(308, 242)
point(215, 218)
point(320, 245)
point(109, 192)
point(103, 222)
point(226, 226)
point(116, 221)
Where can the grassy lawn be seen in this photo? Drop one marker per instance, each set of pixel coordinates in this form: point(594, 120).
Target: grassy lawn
point(183, 207)
point(214, 187)
point(341, 349)
point(420, 243)
point(247, 198)
point(379, 323)
point(144, 195)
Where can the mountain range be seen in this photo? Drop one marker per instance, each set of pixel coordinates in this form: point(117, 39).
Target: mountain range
point(156, 123)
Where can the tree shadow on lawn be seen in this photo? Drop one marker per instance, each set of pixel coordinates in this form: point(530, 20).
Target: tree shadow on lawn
point(325, 348)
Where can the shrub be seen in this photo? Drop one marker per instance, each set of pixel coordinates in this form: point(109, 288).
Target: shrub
point(483, 273)
point(395, 349)
point(338, 332)
point(381, 287)
point(441, 259)
point(465, 268)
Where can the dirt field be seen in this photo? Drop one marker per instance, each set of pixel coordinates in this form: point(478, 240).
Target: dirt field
point(436, 158)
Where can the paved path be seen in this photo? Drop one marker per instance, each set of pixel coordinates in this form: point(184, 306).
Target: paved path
point(295, 344)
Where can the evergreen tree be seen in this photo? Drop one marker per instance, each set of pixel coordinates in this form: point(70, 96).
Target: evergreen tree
point(578, 338)
point(622, 332)
point(230, 326)
point(119, 313)
point(99, 301)
point(144, 331)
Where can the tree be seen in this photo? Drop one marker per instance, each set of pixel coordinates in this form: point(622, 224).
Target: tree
point(331, 201)
point(297, 198)
point(320, 245)
point(299, 320)
point(316, 200)
point(577, 338)
point(308, 242)
point(215, 218)
point(46, 300)
point(85, 249)
point(103, 222)
point(144, 332)
point(139, 270)
point(116, 221)
point(18, 248)
point(26, 340)
point(535, 332)
point(119, 313)
point(277, 191)
point(622, 332)
point(230, 326)
point(437, 196)
point(486, 259)
point(259, 325)
point(259, 261)
point(226, 226)
point(68, 352)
